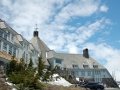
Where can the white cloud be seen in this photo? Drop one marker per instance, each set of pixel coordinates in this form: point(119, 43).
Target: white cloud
point(104, 8)
point(86, 31)
point(59, 39)
point(24, 14)
point(81, 8)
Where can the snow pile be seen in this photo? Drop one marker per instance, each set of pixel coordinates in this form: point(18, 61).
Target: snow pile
point(77, 79)
point(11, 84)
point(57, 80)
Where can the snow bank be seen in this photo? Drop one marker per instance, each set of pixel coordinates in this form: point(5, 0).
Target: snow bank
point(77, 79)
point(57, 80)
point(11, 84)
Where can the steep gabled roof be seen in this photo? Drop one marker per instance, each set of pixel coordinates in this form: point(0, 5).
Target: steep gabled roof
point(41, 47)
point(39, 44)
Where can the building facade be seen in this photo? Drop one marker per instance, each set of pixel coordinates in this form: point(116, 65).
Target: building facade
point(80, 66)
point(14, 44)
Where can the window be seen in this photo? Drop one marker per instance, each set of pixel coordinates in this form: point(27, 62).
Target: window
point(12, 37)
point(97, 72)
point(89, 73)
point(5, 46)
point(5, 36)
point(1, 33)
point(10, 50)
point(58, 61)
point(95, 66)
point(82, 73)
point(75, 66)
point(85, 66)
point(0, 45)
point(14, 52)
point(8, 36)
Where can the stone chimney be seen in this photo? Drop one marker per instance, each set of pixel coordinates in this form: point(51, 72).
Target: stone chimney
point(35, 34)
point(85, 53)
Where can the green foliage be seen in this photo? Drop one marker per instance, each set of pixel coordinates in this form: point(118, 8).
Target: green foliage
point(11, 67)
point(41, 66)
point(23, 76)
point(31, 63)
point(47, 76)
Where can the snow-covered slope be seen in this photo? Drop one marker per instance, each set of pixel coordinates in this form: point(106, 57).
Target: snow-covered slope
point(57, 80)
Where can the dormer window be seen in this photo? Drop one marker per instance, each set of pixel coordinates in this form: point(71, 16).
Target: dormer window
point(85, 66)
point(95, 66)
point(75, 66)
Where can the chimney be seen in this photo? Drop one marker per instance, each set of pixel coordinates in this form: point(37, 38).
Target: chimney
point(35, 34)
point(85, 53)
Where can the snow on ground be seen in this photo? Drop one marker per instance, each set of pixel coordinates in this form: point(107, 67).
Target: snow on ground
point(11, 84)
point(14, 89)
point(57, 80)
point(77, 79)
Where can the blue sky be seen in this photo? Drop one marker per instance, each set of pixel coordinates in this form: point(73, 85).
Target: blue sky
point(70, 26)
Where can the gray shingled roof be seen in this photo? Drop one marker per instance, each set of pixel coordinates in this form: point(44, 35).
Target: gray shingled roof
point(75, 59)
point(41, 47)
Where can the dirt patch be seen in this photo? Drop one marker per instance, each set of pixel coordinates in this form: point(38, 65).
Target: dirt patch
point(56, 87)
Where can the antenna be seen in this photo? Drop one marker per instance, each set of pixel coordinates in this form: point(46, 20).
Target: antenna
point(35, 33)
point(36, 27)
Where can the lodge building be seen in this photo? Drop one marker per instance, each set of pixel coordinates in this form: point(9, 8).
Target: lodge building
point(77, 65)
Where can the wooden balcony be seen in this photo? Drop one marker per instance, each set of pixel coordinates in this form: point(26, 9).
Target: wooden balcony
point(6, 56)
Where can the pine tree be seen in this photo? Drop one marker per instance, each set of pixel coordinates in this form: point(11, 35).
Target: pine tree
point(11, 67)
point(30, 63)
point(23, 76)
point(41, 66)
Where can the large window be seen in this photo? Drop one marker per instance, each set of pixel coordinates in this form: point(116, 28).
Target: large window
point(58, 61)
point(1, 33)
point(10, 50)
point(4, 46)
point(82, 73)
point(89, 73)
point(5, 35)
point(14, 51)
point(9, 36)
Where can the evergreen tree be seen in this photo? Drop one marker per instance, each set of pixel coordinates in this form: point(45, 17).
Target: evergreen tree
point(11, 67)
point(25, 77)
point(41, 66)
point(47, 76)
point(30, 63)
